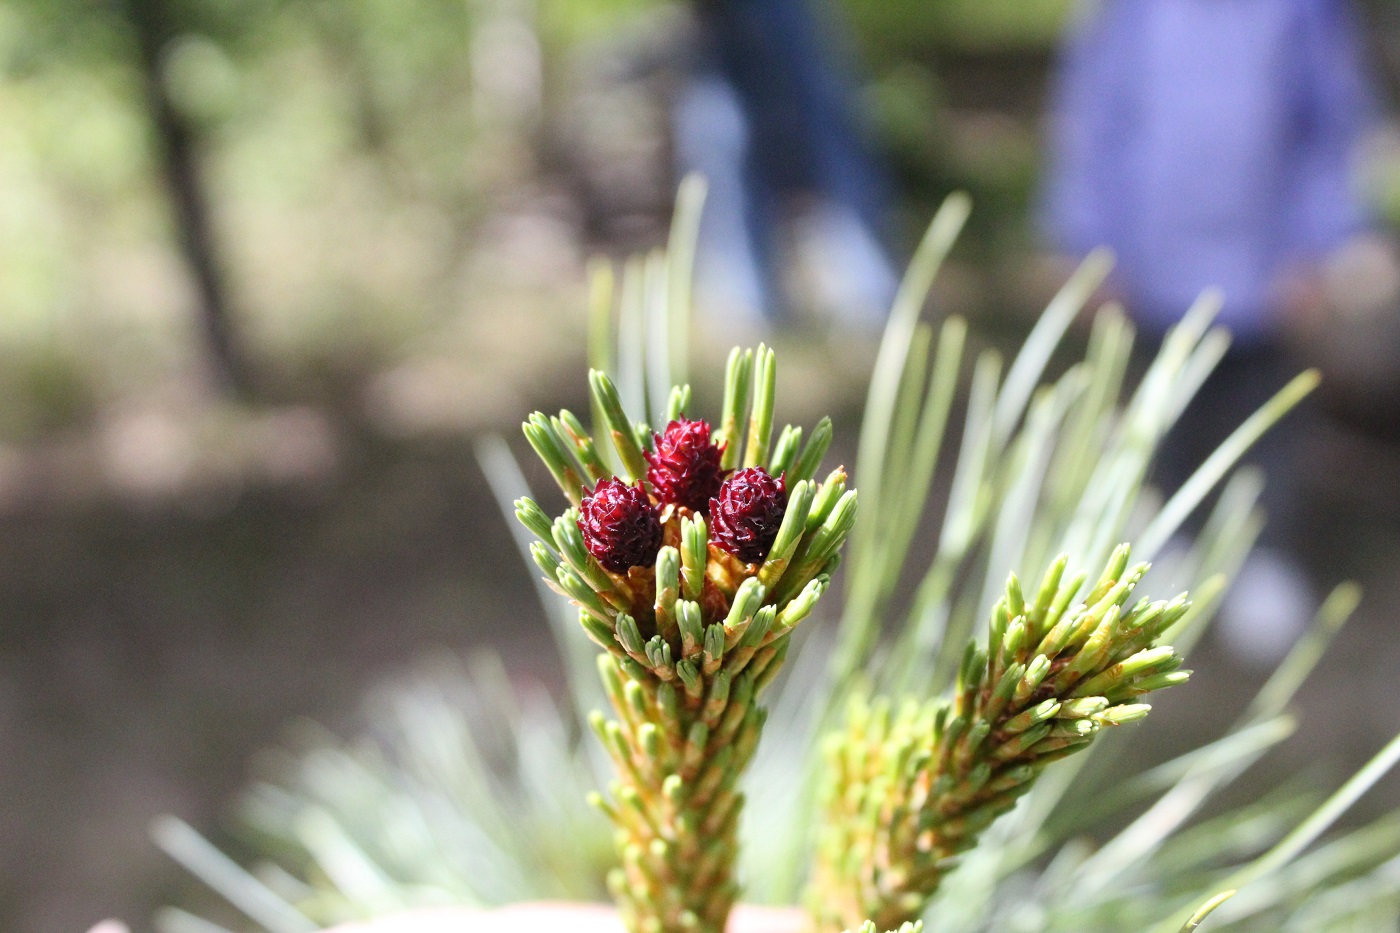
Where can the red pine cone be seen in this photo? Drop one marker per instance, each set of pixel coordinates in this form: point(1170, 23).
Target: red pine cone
point(746, 513)
point(684, 469)
point(619, 525)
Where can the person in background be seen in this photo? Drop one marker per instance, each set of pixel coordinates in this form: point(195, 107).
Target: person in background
point(1213, 143)
point(767, 117)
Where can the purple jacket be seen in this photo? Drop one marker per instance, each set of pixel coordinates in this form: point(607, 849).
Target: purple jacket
point(1208, 142)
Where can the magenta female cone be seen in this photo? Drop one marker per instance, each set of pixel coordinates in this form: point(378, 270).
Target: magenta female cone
point(619, 525)
point(746, 513)
point(684, 469)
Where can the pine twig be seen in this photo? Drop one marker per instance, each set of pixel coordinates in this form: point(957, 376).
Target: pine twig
point(691, 575)
point(908, 789)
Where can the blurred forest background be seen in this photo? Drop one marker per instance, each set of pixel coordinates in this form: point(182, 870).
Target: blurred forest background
point(266, 266)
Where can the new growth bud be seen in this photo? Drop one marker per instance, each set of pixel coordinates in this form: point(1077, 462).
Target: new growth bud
point(692, 633)
point(1052, 675)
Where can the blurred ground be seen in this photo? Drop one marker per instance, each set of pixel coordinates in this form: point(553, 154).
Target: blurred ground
point(403, 228)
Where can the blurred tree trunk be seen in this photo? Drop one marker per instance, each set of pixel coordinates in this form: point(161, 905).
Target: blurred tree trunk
point(153, 28)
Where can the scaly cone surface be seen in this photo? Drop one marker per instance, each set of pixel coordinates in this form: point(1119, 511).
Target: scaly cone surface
point(691, 567)
point(907, 790)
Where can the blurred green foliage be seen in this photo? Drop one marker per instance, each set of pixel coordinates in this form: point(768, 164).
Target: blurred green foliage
point(324, 128)
point(351, 152)
point(954, 94)
point(892, 28)
point(313, 122)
